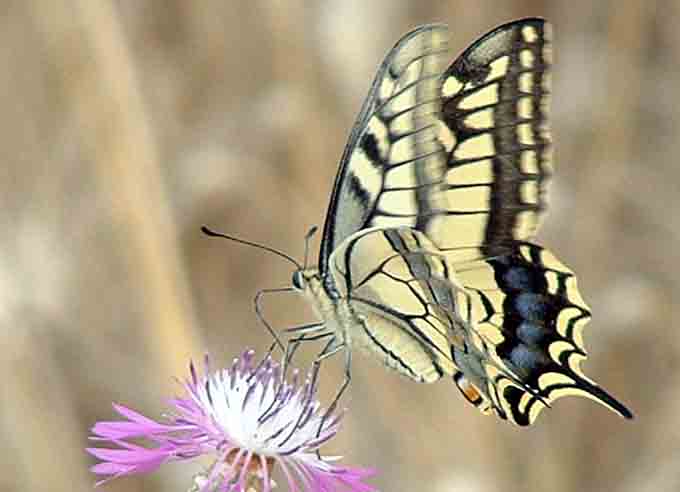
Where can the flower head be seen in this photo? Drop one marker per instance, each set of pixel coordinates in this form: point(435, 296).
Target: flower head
point(249, 418)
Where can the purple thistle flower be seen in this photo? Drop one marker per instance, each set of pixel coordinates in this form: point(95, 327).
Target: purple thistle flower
point(249, 418)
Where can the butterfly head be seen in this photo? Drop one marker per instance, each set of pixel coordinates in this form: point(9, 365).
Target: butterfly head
point(307, 282)
point(305, 278)
point(299, 281)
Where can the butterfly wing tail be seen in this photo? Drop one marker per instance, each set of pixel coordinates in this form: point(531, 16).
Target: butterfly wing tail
point(526, 346)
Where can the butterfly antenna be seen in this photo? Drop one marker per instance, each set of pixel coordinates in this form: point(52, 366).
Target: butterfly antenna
point(308, 237)
point(211, 233)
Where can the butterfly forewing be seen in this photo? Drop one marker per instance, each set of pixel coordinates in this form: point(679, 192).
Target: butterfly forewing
point(393, 154)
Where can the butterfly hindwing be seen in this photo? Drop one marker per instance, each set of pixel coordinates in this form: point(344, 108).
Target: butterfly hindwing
point(527, 309)
point(399, 287)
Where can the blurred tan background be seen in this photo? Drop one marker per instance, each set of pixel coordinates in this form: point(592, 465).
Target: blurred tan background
point(125, 126)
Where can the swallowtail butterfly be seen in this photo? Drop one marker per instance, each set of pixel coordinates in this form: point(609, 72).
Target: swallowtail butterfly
point(425, 259)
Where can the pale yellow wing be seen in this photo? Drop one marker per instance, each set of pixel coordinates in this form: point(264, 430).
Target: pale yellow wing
point(495, 134)
point(397, 284)
point(393, 155)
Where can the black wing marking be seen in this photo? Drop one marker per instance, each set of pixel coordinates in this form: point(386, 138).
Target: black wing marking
point(494, 113)
point(392, 141)
point(527, 307)
point(404, 306)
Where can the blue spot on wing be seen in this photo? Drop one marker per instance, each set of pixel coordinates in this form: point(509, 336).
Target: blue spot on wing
point(532, 307)
point(525, 358)
point(530, 333)
point(518, 278)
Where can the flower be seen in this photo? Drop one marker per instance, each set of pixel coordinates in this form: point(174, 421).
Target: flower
point(249, 417)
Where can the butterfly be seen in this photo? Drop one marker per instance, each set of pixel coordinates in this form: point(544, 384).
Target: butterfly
point(425, 259)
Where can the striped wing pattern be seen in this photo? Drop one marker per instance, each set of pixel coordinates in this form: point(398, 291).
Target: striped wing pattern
point(401, 295)
point(528, 317)
point(440, 186)
point(393, 155)
point(496, 139)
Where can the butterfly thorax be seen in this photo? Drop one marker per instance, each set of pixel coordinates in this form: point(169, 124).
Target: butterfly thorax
point(335, 313)
point(308, 282)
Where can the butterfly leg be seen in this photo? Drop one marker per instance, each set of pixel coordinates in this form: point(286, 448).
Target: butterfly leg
point(294, 343)
point(260, 316)
point(304, 331)
point(330, 349)
point(291, 347)
point(343, 386)
point(308, 328)
point(345, 382)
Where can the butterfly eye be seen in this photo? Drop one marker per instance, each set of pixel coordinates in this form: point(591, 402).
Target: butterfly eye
point(298, 280)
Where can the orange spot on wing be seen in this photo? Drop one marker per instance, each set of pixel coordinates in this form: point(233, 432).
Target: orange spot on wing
point(470, 392)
